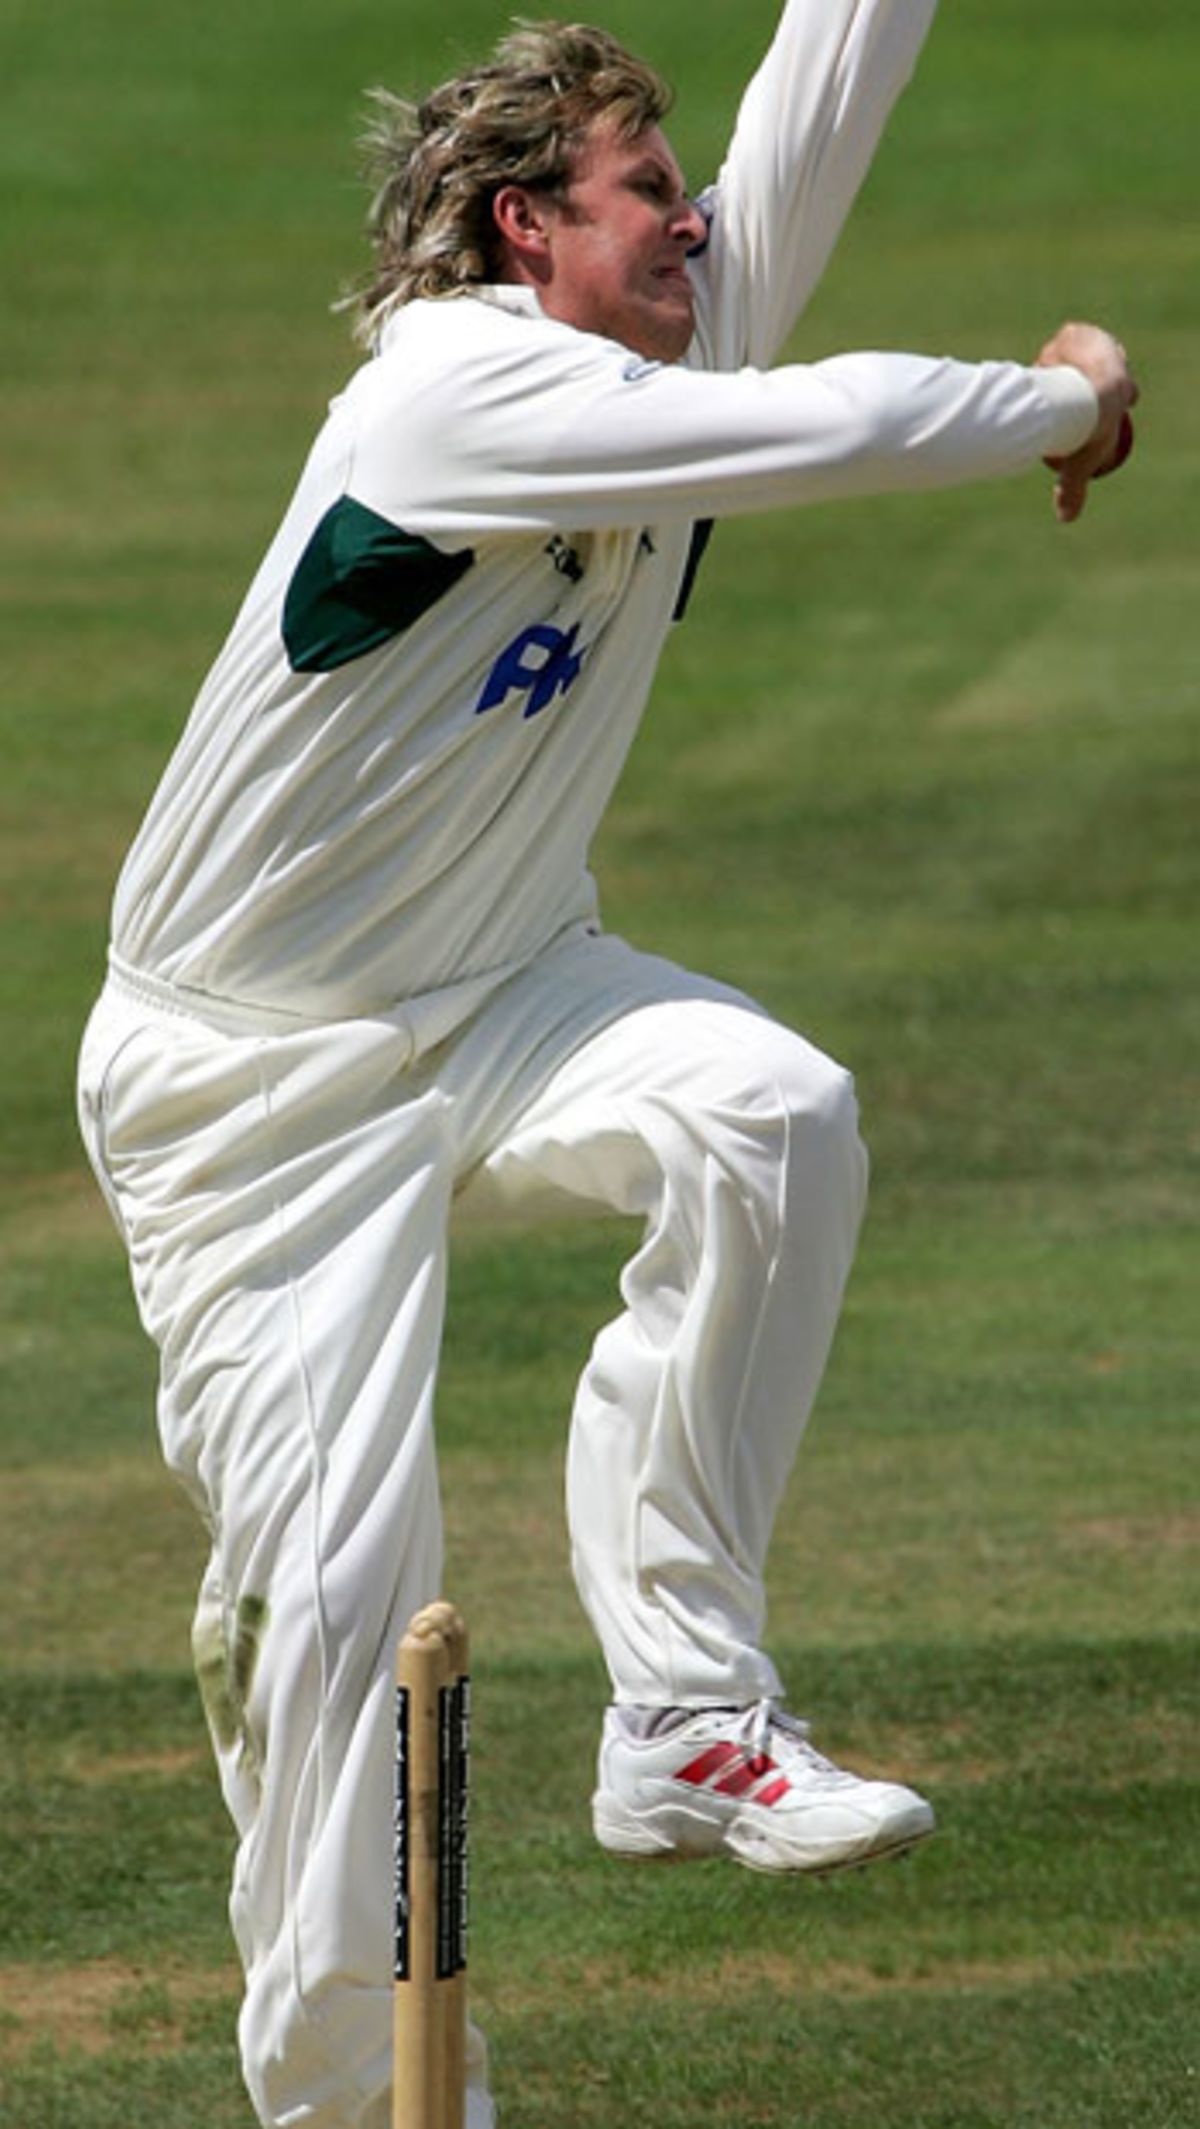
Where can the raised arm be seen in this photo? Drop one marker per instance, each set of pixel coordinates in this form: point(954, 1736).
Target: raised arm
point(805, 135)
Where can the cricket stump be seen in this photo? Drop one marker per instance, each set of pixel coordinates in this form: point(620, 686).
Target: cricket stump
point(429, 1998)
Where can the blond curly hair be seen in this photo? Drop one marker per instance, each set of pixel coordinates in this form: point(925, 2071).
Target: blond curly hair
point(519, 119)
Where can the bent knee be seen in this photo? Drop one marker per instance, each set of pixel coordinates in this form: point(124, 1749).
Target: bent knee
point(785, 1119)
point(810, 1106)
point(807, 1089)
point(832, 1111)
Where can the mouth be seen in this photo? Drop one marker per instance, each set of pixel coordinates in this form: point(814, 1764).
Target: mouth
point(675, 278)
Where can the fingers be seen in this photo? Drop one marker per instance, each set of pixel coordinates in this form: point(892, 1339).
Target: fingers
point(1070, 495)
point(1102, 360)
point(1105, 364)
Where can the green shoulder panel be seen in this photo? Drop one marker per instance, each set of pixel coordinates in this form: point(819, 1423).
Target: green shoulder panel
point(360, 581)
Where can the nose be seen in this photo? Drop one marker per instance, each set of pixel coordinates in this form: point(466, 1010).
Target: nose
point(689, 227)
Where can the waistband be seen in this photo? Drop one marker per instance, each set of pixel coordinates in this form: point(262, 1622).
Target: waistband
point(224, 1015)
point(424, 1020)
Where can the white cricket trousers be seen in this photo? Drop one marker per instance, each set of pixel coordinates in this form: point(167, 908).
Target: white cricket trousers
point(285, 1194)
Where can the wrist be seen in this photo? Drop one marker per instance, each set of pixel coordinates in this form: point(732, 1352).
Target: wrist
point(1073, 406)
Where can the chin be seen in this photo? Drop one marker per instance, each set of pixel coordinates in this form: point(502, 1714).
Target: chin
point(667, 339)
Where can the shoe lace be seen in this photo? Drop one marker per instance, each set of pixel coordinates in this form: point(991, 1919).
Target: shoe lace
point(766, 1724)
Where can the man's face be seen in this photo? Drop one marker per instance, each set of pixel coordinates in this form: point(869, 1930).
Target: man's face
point(617, 251)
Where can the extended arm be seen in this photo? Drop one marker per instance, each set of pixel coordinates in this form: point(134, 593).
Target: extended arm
point(538, 426)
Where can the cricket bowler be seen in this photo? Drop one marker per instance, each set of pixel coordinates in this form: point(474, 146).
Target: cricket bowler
point(359, 975)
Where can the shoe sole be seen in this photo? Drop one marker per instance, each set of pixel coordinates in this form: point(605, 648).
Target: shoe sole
point(672, 1833)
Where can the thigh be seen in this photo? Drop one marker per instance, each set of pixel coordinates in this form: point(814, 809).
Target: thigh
point(279, 1197)
point(647, 1072)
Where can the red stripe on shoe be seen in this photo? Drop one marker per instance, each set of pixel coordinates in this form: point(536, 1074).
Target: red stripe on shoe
point(709, 1763)
point(739, 1779)
point(773, 1791)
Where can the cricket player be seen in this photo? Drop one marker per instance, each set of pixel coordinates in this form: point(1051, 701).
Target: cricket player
point(358, 976)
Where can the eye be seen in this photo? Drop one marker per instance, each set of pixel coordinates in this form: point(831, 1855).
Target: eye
point(657, 186)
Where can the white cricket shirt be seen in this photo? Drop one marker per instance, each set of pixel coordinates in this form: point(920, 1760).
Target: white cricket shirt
point(389, 784)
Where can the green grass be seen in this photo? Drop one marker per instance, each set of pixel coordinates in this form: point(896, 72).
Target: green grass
point(923, 775)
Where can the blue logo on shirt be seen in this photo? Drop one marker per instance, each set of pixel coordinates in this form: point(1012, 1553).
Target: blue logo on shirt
point(637, 367)
point(541, 663)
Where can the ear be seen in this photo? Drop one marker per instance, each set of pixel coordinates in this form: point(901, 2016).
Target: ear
point(523, 221)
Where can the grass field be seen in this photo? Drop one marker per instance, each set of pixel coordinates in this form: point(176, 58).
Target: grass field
point(925, 776)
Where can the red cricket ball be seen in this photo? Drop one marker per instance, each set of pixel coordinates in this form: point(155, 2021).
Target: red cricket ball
point(1121, 449)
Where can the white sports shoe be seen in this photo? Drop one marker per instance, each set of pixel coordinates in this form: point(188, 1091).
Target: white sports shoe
point(746, 1782)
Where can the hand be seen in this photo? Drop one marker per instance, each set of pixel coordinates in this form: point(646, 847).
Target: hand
point(1104, 363)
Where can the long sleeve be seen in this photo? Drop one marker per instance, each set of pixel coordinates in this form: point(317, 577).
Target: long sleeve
point(806, 132)
point(567, 430)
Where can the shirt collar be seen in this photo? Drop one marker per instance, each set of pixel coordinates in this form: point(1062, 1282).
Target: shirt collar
point(512, 296)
